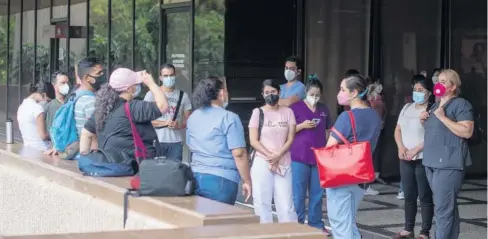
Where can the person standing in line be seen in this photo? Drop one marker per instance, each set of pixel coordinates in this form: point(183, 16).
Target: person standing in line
point(448, 124)
point(313, 120)
point(343, 202)
point(91, 76)
point(168, 129)
point(215, 137)
point(409, 137)
point(271, 171)
point(294, 90)
point(61, 89)
point(30, 116)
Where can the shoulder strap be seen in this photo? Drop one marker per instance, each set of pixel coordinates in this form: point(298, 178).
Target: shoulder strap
point(261, 122)
point(141, 151)
point(178, 104)
point(353, 124)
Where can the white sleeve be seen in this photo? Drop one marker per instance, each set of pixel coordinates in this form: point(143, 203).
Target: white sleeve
point(149, 97)
point(185, 102)
point(37, 110)
point(401, 116)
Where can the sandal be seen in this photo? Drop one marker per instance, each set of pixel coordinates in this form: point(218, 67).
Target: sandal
point(423, 236)
point(404, 235)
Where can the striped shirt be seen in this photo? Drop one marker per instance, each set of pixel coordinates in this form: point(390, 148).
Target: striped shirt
point(84, 108)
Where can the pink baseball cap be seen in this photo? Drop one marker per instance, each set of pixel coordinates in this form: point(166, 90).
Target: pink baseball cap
point(122, 78)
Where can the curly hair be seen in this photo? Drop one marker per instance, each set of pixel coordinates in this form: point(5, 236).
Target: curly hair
point(107, 97)
point(206, 91)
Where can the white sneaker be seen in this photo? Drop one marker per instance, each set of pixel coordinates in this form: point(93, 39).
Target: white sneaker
point(371, 191)
point(400, 196)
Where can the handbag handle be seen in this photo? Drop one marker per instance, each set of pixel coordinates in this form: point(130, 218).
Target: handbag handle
point(141, 150)
point(343, 139)
point(353, 125)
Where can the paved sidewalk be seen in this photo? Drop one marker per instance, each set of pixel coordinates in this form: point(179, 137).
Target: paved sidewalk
point(382, 216)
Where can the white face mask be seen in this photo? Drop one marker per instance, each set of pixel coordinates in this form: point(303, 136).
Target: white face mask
point(290, 75)
point(312, 100)
point(64, 89)
point(169, 81)
point(137, 92)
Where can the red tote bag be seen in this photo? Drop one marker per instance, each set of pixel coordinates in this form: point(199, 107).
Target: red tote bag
point(345, 164)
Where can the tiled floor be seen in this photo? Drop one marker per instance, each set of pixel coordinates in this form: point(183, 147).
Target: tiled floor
point(382, 216)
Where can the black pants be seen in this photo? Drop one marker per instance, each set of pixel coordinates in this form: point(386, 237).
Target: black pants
point(415, 184)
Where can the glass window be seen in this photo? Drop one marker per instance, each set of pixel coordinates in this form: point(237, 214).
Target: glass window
point(177, 49)
point(14, 59)
point(337, 39)
point(121, 35)
point(44, 34)
point(209, 35)
point(3, 63)
point(28, 49)
point(60, 9)
point(468, 58)
point(78, 36)
point(410, 44)
point(147, 36)
point(98, 29)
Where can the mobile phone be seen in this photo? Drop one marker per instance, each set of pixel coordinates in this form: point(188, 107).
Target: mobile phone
point(316, 120)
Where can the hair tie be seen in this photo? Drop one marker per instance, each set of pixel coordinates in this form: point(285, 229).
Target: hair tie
point(363, 93)
point(312, 77)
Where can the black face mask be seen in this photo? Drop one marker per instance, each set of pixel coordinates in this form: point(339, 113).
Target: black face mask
point(99, 81)
point(271, 99)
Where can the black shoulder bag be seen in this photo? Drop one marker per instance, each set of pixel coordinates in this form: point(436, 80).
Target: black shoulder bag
point(252, 152)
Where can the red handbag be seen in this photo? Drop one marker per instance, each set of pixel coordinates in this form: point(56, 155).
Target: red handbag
point(345, 164)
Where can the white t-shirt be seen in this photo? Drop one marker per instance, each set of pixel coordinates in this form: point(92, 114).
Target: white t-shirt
point(27, 115)
point(167, 135)
point(412, 129)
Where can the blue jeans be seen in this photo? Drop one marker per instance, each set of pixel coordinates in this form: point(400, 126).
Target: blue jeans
point(342, 208)
point(216, 188)
point(171, 150)
point(305, 178)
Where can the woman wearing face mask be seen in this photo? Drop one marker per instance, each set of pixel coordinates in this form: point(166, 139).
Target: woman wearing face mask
point(409, 137)
point(31, 116)
point(343, 202)
point(109, 121)
point(216, 140)
point(448, 123)
point(313, 119)
point(271, 170)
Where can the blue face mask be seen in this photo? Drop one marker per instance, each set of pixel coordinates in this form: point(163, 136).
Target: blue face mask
point(418, 97)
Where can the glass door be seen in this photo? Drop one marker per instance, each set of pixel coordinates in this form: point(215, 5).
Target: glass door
point(176, 44)
point(176, 48)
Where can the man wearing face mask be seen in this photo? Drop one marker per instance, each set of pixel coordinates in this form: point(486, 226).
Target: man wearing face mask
point(294, 90)
point(169, 127)
point(91, 76)
point(61, 89)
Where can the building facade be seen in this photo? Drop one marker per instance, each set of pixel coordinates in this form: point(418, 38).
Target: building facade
point(247, 41)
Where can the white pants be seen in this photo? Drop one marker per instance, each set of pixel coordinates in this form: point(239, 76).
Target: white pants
point(267, 185)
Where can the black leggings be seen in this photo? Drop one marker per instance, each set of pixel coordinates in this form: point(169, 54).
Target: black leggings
point(415, 185)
